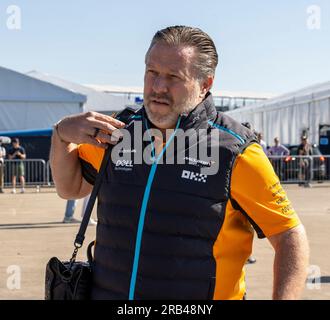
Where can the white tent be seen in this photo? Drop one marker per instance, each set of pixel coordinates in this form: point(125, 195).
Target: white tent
point(289, 115)
point(28, 103)
point(96, 101)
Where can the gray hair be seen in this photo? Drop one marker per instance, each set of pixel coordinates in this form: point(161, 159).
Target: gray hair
point(207, 56)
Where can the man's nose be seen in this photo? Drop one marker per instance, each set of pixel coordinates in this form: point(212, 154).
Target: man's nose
point(160, 85)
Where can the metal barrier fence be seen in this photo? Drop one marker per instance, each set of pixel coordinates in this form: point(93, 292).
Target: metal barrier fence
point(301, 169)
point(290, 169)
point(34, 171)
point(49, 178)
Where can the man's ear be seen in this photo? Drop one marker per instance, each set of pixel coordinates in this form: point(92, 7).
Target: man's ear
point(206, 86)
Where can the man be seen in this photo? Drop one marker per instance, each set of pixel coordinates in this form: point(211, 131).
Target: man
point(70, 208)
point(169, 231)
point(69, 211)
point(17, 153)
point(2, 165)
point(278, 150)
point(305, 150)
point(262, 142)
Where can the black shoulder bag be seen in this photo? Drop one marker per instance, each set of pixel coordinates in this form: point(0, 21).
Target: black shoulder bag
point(72, 280)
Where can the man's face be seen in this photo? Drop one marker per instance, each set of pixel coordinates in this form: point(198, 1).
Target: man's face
point(276, 141)
point(170, 84)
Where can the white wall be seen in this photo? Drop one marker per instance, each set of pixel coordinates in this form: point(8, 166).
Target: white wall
point(33, 115)
point(287, 120)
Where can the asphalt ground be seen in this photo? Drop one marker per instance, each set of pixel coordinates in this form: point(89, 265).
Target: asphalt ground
point(31, 232)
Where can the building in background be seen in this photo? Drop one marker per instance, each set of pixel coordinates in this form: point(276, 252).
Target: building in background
point(289, 116)
point(36, 101)
point(29, 103)
point(102, 102)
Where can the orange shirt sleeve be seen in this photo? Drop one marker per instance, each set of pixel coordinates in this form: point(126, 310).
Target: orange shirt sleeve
point(91, 154)
point(257, 190)
point(90, 161)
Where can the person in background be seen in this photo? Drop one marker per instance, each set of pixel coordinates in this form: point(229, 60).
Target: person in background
point(262, 142)
point(17, 152)
point(278, 151)
point(70, 209)
point(2, 165)
point(305, 150)
point(69, 212)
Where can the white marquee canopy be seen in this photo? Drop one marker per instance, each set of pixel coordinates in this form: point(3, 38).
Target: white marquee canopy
point(288, 115)
point(28, 103)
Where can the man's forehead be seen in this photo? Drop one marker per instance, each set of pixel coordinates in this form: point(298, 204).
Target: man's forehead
point(172, 57)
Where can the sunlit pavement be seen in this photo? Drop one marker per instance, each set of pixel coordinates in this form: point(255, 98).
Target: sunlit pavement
point(313, 207)
point(31, 233)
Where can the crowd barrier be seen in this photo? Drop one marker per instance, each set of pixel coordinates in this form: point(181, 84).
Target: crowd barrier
point(34, 170)
point(290, 169)
point(301, 169)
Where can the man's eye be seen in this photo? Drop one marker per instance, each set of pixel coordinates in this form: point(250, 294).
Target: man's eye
point(174, 76)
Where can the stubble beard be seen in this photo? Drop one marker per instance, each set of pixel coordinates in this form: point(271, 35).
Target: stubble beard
point(169, 120)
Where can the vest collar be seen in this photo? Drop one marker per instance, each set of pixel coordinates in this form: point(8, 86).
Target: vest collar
point(197, 118)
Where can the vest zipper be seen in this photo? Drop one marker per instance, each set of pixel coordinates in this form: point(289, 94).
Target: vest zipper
point(143, 210)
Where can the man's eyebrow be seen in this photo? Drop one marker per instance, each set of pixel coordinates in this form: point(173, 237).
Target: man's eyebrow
point(149, 64)
point(173, 71)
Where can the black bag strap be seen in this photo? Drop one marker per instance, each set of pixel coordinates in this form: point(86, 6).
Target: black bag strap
point(80, 237)
point(89, 208)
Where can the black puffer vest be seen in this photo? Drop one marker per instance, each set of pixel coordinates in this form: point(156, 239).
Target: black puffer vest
point(157, 224)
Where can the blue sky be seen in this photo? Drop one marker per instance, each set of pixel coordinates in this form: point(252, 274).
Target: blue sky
point(264, 46)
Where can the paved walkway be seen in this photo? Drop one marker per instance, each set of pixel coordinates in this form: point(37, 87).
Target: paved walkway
point(31, 232)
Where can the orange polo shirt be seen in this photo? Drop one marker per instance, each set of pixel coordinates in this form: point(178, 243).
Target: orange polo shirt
point(256, 188)
point(258, 192)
